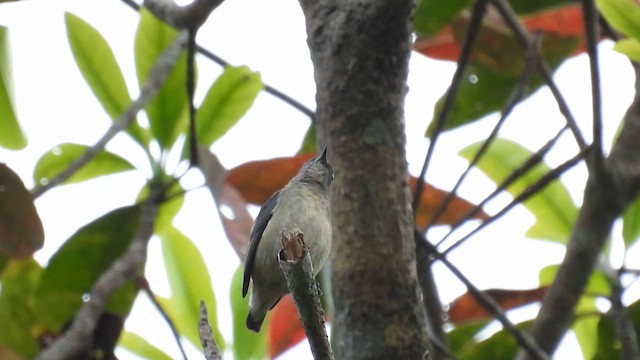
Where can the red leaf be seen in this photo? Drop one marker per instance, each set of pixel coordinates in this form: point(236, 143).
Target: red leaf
point(258, 180)
point(431, 199)
point(466, 309)
point(565, 21)
point(21, 231)
point(232, 208)
point(285, 328)
point(237, 225)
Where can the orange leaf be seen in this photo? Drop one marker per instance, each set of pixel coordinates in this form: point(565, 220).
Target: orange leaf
point(232, 208)
point(257, 180)
point(237, 225)
point(21, 231)
point(285, 328)
point(565, 21)
point(431, 199)
point(466, 309)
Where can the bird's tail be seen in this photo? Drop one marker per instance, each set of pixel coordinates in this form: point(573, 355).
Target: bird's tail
point(255, 319)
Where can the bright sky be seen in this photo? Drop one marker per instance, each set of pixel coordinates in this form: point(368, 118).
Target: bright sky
point(55, 105)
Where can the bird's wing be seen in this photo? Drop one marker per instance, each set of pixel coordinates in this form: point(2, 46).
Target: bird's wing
point(266, 212)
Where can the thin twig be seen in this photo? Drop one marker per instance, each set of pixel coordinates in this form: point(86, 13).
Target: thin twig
point(157, 76)
point(523, 339)
point(211, 349)
point(431, 299)
point(516, 174)
point(442, 348)
point(439, 347)
point(523, 196)
point(607, 30)
point(191, 89)
point(452, 93)
point(144, 285)
point(267, 88)
point(127, 267)
point(518, 93)
point(190, 16)
point(590, 15)
point(510, 17)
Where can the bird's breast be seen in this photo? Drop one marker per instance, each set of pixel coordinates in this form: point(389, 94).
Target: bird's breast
point(304, 210)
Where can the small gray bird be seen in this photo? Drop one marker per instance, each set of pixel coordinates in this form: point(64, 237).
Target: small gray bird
point(302, 204)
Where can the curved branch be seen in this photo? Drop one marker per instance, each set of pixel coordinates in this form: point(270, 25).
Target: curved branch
point(128, 267)
point(156, 79)
point(607, 194)
point(144, 285)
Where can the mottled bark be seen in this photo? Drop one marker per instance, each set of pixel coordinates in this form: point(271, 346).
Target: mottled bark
point(360, 51)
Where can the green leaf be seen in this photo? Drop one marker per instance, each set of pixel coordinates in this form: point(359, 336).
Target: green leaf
point(488, 83)
point(246, 344)
point(11, 135)
point(631, 223)
point(608, 346)
point(167, 111)
point(585, 327)
point(462, 337)
point(75, 267)
point(432, 15)
point(552, 207)
point(4, 260)
point(56, 160)
point(21, 231)
point(629, 47)
point(501, 345)
point(227, 100)
point(598, 282)
point(190, 283)
point(100, 69)
point(624, 15)
point(18, 281)
point(141, 347)
point(482, 92)
point(310, 142)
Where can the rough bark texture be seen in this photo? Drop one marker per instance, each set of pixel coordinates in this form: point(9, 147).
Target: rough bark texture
point(610, 189)
point(360, 51)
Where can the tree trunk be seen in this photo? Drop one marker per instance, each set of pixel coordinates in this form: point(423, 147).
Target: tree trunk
point(360, 51)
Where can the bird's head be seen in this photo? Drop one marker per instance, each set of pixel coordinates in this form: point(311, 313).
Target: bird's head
point(317, 171)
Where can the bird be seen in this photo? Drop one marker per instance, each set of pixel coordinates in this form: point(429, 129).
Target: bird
point(303, 204)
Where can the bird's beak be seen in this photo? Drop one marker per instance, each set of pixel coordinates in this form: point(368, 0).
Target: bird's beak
point(323, 156)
